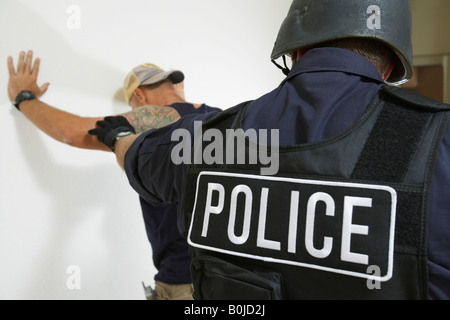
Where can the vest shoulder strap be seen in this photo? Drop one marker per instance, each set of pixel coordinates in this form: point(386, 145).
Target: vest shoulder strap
point(228, 115)
point(415, 99)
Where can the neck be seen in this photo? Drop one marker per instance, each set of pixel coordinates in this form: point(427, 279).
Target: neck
point(170, 97)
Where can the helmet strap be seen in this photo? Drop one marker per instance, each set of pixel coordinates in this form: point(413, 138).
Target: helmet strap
point(285, 69)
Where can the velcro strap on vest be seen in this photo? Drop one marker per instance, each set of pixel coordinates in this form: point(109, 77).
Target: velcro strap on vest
point(391, 145)
point(386, 157)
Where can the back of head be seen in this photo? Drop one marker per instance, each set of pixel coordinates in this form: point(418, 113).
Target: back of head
point(314, 23)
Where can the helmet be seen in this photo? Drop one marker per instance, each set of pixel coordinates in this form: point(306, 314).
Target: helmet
point(312, 22)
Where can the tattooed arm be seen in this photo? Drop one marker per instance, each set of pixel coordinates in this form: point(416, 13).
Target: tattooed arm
point(151, 117)
point(73, 130)
point(143, 119)
point(66, 127)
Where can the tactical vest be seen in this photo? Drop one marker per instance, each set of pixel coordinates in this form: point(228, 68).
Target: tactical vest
point(344, 218)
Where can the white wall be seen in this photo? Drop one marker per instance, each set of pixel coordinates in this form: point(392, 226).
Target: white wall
point(62, 207)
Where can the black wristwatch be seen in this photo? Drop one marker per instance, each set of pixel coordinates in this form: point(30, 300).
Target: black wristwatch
point(24, 95)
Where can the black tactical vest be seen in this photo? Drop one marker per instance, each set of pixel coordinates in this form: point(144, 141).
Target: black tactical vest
point(344, 218)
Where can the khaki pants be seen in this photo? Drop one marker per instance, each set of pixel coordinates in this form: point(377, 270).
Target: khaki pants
point(166, 291)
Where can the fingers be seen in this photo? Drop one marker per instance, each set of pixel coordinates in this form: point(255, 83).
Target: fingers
point(28, 62)
point(12, 71)
point(24, 78)
point(25, 64)
point(43, 89)
point(94, 132)
point(35, 70)
point(103, 123)
point(21, 65)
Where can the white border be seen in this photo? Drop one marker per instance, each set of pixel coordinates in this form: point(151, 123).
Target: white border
point(393, 193)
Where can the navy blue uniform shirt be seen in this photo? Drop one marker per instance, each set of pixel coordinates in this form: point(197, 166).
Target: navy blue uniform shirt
point(170, 250)
point(327, 90)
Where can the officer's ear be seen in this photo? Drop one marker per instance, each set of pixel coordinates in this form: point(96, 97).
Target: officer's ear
point(387, 74)
point(297, 54)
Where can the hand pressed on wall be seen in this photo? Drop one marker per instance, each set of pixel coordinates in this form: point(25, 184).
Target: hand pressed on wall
point(25, 78)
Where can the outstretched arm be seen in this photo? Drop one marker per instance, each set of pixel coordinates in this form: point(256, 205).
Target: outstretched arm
point(60, 125)
point(66, 127)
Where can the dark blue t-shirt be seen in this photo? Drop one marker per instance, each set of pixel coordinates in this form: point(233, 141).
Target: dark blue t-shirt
point(170, 250)
point(324, 94)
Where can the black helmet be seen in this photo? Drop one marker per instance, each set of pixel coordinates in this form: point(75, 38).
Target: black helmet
point(312, 22)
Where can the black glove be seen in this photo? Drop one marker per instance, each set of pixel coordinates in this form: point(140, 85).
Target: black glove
point(110, 128)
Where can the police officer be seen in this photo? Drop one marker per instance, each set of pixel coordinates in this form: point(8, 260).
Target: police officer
point(357, 208)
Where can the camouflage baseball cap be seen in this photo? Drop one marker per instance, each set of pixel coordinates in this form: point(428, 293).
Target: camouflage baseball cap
point(146, 74)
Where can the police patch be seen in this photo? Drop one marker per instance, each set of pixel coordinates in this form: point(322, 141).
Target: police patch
point(331, 226)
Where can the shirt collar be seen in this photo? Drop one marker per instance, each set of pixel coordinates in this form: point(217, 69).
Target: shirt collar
point(335, 59)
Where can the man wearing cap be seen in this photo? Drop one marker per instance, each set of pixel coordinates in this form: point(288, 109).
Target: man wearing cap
point(359, 208)
point(157, 99)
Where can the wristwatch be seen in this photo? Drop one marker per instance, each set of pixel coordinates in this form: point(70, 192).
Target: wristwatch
point(24, 95)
